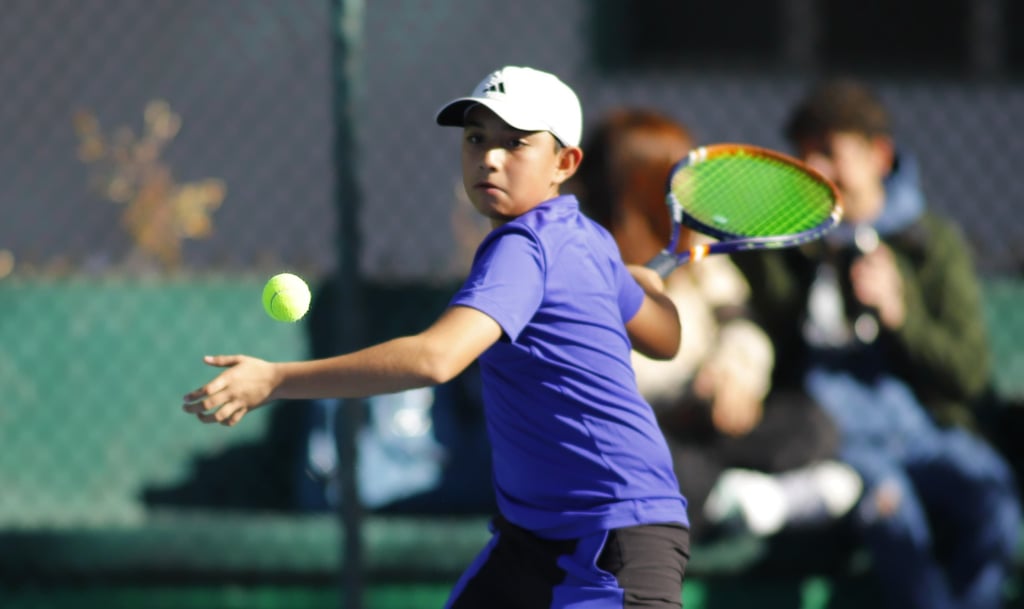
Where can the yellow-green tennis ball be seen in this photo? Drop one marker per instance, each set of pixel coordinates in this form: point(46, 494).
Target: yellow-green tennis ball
point(286, 297)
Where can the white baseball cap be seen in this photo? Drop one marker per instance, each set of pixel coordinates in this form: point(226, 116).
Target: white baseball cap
point(526, 99)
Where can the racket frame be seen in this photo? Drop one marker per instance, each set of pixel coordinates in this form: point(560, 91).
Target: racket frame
point(727, 242)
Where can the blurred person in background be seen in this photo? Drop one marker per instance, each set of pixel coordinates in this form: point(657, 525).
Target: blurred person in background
point(725, 436)
point(882, 323)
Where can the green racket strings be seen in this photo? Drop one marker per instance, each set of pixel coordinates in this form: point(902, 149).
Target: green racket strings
point(752, 195)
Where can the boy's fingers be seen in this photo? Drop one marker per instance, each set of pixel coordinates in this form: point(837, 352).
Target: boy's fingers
point(207, 398)
point(222, 361)
point(219, 415)
point(207, 418)
point(190, 398)
point(235, 418)
point(216, 385)
point(195, 407)
point(213, 402)
point(197, 397)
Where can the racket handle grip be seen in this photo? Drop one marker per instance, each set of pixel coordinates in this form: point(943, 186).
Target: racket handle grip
point(664, 263)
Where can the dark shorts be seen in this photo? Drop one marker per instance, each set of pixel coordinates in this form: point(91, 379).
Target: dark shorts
point(639, 566)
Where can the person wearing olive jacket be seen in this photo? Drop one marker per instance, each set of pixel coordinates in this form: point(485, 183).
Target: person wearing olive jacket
point(882, 322)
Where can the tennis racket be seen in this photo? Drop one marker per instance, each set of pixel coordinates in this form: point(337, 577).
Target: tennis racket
point(747, 198)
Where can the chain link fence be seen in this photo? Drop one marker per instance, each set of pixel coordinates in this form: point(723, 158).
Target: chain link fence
point(161, 158)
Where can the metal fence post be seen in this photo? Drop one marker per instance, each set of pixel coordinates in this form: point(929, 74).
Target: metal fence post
point(347, 18)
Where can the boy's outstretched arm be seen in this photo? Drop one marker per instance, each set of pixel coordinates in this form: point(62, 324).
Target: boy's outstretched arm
point(655, 330)
point(431, 357)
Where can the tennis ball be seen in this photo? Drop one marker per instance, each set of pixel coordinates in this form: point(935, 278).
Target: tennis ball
point(286, 297)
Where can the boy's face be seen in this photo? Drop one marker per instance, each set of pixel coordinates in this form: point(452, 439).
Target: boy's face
point(858, 165)
point(507, 172)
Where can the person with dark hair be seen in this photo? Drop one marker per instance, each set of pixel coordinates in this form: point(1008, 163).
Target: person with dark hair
point(882, 323)
point(726, 430)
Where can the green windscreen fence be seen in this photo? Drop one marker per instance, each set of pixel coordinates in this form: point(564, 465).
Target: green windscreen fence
point(93, 375)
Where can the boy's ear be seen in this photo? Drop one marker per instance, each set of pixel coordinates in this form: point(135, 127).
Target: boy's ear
point(569, 159)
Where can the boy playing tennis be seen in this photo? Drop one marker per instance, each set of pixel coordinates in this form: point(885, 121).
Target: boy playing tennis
point(590, 509)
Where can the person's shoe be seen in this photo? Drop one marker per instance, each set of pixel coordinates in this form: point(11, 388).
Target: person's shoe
point(765, 503)
point(757, 499)
point(820, 493)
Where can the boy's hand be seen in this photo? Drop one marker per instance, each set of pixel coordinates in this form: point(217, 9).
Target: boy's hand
point(655, 329)
point(247, 383)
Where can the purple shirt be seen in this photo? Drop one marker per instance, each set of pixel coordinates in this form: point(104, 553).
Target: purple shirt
point(576, 449)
